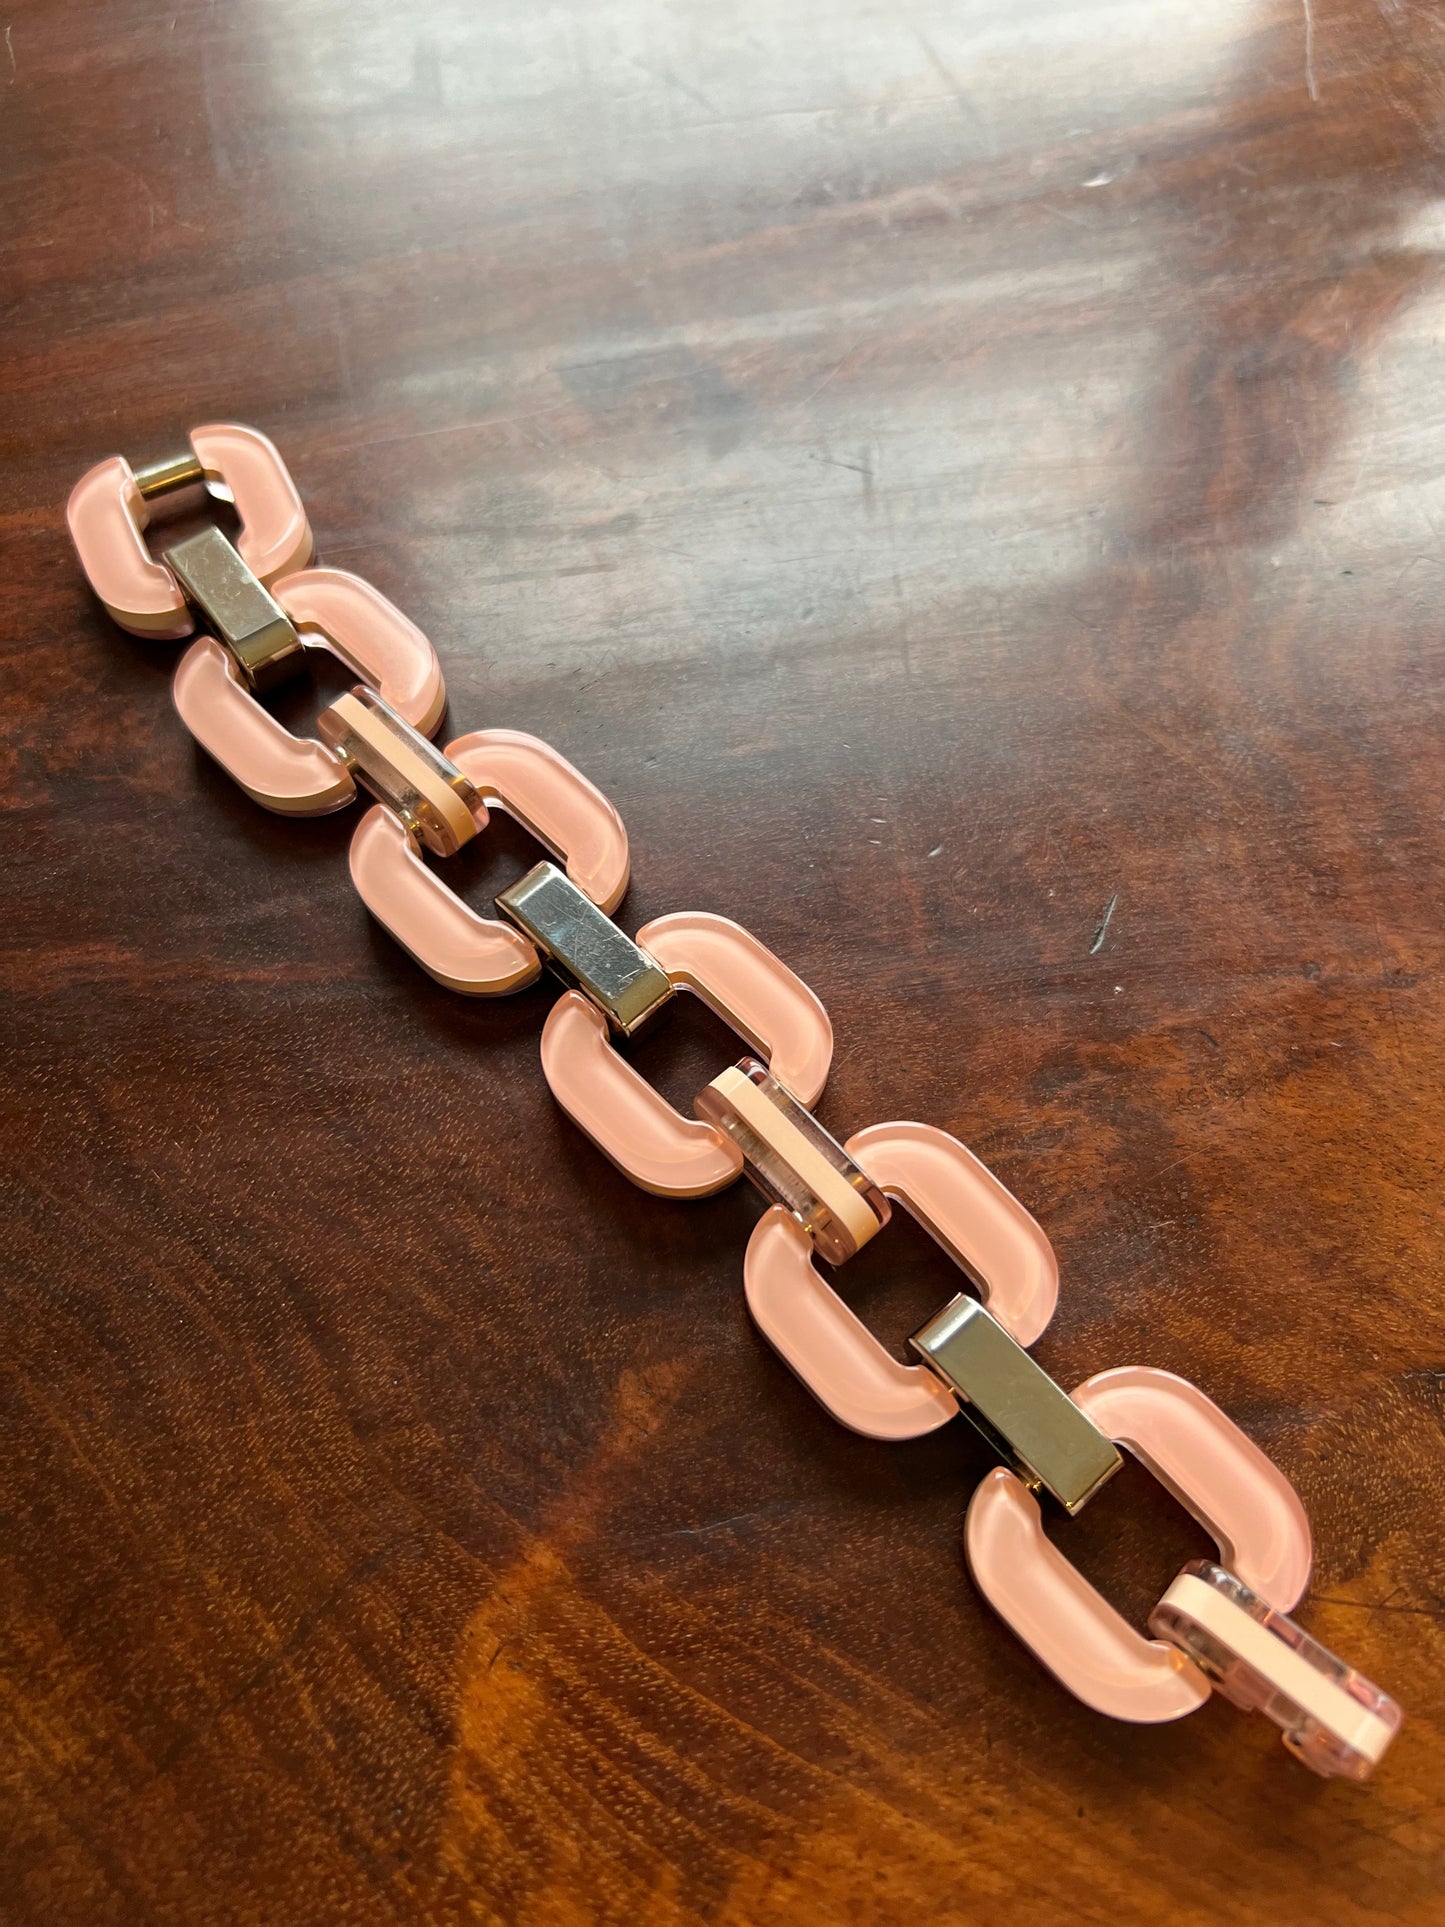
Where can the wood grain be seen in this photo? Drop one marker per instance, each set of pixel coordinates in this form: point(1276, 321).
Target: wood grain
point(967, 481)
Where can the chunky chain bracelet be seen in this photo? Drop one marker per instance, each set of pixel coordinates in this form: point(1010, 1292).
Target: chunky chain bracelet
point(1218, 1626)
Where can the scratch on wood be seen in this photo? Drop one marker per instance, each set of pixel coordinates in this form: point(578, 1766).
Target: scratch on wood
point(1310, 81)
point(1389, 994)
point(714, 1525)
point(1103, 930)
point(1374, 1606)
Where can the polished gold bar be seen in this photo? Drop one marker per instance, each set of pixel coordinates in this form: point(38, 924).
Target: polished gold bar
point(237, 607)
point(169, 476)
point(1028, 1419)
point(402, 769)
point(585, 947)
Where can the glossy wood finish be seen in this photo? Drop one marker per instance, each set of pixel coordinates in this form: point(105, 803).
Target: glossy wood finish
point(966, 481)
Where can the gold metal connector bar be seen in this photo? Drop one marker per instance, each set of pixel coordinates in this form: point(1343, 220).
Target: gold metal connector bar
point(402, 769)
point(1027, 1418)
point(169, 476)
point(585, 947)
point(237, 607)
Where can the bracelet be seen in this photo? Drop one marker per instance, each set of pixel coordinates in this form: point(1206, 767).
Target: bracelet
point(1221, 1627)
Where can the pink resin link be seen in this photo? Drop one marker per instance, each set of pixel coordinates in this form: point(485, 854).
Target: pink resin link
point(979, 1223)
point(476, 955)
point(296, 775)
point(633, 1124)
point(480, 956)
point(553, 799)
point(243, 463)
point(749, 988)
point(1063, 1620)
point(337, 611)
point(1237, 1493)
point(1240, 1497)
point(107, 518)
point(839, 1360)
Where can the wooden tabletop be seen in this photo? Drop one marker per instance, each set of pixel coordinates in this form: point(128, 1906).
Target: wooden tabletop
point(968, 483)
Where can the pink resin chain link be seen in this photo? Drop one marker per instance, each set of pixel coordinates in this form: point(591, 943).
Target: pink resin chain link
point(1221, 1627)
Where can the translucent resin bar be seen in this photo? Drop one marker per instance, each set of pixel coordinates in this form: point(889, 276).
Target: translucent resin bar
point(1333, 1718)
point(434, 799)
point(793, 1161)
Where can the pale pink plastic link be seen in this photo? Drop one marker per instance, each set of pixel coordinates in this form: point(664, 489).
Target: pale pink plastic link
point(749, 988)
point(342, 613)
point(243, 463)
point(979, 1223)
point(1063, 1620)
point(976, 1218)
point(476, 955)
point(479, 956)
point(1235, 1491)
point(292, 774)
point(832, 1351)
point(107, 516)
point(1240, 1497)
point(553, 799)
point(634, 1125)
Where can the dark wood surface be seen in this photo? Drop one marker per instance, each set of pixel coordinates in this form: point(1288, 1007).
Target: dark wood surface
point(944, 473)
